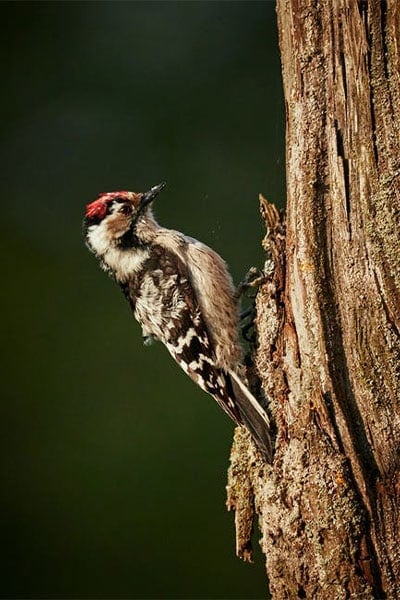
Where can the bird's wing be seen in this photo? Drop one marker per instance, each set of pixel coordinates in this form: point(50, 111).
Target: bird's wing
point(214, 290)
point(202, 353)
point(188, 339)
point(167, 307)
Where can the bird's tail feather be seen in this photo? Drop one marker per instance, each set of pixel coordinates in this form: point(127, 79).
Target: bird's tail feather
point(253, 415)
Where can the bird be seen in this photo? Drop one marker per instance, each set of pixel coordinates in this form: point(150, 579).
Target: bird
point(182, 294)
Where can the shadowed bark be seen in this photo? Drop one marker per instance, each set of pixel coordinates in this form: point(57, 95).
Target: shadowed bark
point(328, 315)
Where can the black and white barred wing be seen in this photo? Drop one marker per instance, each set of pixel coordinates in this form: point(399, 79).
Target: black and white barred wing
point(193, 351)
point(167, 308)
point(191, 345)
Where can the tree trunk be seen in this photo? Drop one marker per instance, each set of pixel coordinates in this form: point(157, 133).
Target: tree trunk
point(328, 315)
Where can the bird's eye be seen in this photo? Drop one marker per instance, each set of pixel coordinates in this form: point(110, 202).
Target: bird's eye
point(125, 209)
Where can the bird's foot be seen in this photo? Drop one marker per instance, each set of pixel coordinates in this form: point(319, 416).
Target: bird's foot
point(253, 279)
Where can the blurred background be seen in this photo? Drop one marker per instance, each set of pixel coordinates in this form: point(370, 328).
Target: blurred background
point(113, 463)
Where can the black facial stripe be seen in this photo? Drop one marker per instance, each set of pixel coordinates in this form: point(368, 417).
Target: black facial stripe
point(129, 239)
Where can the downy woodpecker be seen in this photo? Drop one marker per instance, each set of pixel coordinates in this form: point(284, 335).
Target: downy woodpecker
point(182, 294)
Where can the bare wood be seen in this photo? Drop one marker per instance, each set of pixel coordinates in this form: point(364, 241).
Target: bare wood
point(329, 317)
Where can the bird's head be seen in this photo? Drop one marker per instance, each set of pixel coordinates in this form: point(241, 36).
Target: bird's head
point(119, 219)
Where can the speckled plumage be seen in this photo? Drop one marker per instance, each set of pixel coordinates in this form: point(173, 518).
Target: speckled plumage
point(181, 293)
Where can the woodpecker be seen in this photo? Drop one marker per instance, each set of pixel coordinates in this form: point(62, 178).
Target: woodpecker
point(181, 293)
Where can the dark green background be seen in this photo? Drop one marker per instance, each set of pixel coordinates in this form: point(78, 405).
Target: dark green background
point(113, 464)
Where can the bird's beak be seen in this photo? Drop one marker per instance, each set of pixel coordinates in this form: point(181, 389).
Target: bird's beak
point(148, 197)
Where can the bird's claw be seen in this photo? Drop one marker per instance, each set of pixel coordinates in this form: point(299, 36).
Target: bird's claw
point(253, 278)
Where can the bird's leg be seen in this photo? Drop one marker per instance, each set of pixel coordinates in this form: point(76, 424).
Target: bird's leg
point(245, 313)
point(247, 328)
point(253, 278)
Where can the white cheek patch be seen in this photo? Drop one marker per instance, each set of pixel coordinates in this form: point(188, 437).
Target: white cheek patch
point(122, 262)
point(99, 238)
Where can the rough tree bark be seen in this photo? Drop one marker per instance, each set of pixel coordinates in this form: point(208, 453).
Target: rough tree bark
point(328, 315)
